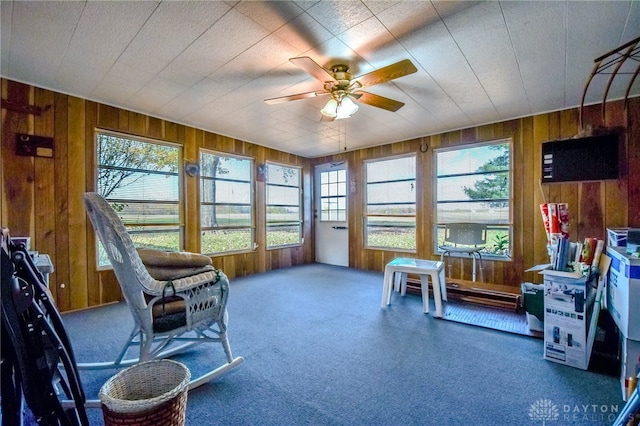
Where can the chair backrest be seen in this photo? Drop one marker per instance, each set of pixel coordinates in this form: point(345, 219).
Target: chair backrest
point(470, 234)
point(127, 265)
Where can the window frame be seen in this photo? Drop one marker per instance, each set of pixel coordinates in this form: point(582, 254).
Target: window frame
point(366, 213)
point(179, 226)
point(438, 226)
point(300, 205)
point(334, 199)
point(252, 206)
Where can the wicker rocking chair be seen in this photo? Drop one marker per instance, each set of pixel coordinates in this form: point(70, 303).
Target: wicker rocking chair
point(169, 316)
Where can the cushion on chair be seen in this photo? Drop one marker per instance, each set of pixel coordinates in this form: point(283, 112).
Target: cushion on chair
point(166, 265)
point(168, 313)
point(169, 322)
point(165, 273)
point(167, 305)
point(176, 259)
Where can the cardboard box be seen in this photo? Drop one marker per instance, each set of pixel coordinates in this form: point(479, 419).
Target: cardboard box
point(633, 243)
point(533, 304)
point(623, 292)
point(568, 302)
point(534, 323)
point(617, 237)
point(629, 363)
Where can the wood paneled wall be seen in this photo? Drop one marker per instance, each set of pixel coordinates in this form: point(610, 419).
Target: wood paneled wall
point(42, 197)
point(593, 206)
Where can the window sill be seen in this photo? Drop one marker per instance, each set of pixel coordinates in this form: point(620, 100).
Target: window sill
point(394, 249)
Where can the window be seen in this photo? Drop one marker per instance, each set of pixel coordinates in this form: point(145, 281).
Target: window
point(284, 208)
point(140, 179)
point(474, 185)
point(333, 195)
point(226, 203)
point(390, 214)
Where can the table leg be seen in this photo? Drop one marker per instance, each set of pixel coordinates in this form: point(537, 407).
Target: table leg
point(403, 283)
point(437, 295)
point(386, 287)
point(473, 274)
point(424, 287)
point(397, 281)
point(443, 284)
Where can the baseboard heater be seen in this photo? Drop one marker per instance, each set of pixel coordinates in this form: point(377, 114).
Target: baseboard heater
point(471, 292)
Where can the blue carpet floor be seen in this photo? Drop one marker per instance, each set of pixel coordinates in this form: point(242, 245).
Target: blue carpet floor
point(319, 350)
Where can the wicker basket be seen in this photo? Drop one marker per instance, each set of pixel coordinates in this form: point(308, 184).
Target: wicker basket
point(151, 393)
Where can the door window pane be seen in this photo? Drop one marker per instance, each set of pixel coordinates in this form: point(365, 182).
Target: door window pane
point(333, 195)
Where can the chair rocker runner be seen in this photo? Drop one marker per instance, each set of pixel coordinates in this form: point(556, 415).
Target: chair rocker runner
point(169, 316)
point(465, 238)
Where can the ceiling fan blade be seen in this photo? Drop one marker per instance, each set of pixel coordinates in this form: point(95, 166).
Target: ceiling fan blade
point(295, 97)
point(380, 101)
point(312, 67)
point(390, 72)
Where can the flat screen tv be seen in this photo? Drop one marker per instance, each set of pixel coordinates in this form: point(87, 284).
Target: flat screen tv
point(590, 158)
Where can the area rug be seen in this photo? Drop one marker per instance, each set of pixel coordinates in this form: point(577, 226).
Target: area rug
point(488, 317)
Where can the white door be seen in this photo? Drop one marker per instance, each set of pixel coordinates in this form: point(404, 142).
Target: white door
point(332, 234)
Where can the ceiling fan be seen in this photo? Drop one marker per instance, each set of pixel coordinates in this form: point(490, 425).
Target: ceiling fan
point(344, 89)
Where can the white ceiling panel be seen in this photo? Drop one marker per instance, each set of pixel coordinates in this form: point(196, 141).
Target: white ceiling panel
point(491, 57)
point(40, 35)
point(339, 16)
point(271, 15)
point(211, 64)
point(303, 32)
point(6, 9)
point(538, 34)
point(371, 40)
point(588, 21)
point(267, 54)
point(143, 53)
point(404, 17)
point(107, 28)
point(441, 57)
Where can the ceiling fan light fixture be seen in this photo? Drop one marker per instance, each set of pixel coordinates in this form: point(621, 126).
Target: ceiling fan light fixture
point(346, 108)
point(330, 109)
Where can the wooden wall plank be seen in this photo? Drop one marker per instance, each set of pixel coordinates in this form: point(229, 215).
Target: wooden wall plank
point(62, 276)
point(4, 122)
point(529, 212)
point(95, 286)
point(78, 285)
point(18, 171)
point(633, 165)
point(155, 128)
point(108, 117)
point(191, 211)
point(591, 210)
point(137, 123)
point(44, 174)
